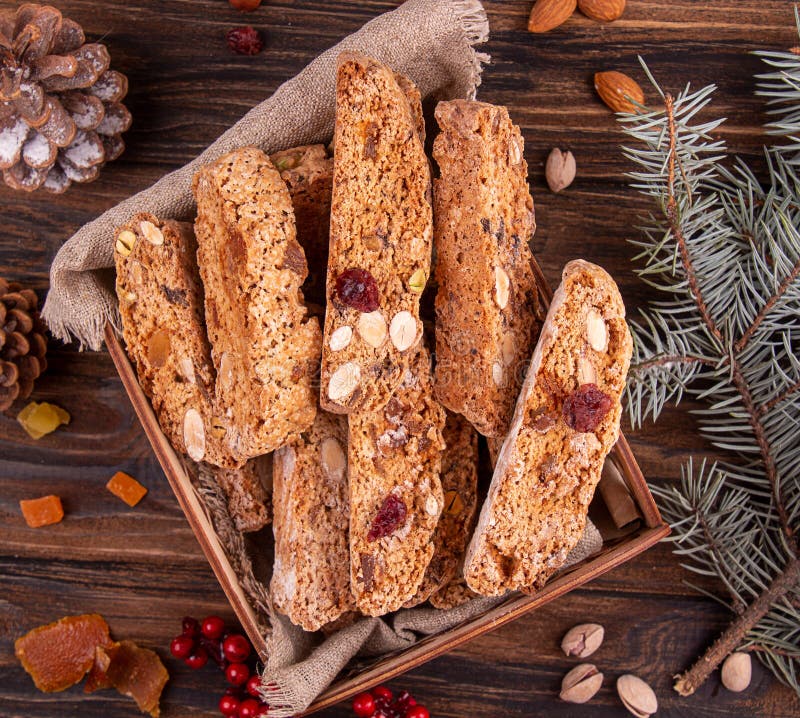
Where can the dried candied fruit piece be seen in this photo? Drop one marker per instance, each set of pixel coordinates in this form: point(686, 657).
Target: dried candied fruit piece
point(125, 487)
point(59, 654)
point(135, 672)
point(44, 511)
point(39, 419)
point(586, 407)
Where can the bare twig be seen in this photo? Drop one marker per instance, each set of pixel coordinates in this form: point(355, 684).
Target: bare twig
point(688, 682)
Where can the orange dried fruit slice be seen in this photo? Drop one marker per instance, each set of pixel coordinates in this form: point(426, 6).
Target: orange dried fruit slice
point(40, 419)
point(135, 672)
point(43, 511)
point(127, 488)
point(59, 654)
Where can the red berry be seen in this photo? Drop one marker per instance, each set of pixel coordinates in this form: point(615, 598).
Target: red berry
point(212, 627)
point(357, 288)
point(190, 626)
point(229, 705)
point(181, 646)
point(404, 700)
point(382, 691)
point(364, 705)
point(252, 686)
point(237, 674)
point(417, 712)
point(390, 517)
point(245, 40)
point(236, 648)
point(250, 708)
point(245, 5)
point(198, 658)
point(586, 407)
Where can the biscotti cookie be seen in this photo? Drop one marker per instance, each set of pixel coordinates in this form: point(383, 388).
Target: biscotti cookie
point(310, 582)
point(380, 242)
point(459, 477)
point(565, 423)
point(161, 305)
point(487, 299)
point(249, 501)
point(265, 346)
point(308, 173)
point(394, 463)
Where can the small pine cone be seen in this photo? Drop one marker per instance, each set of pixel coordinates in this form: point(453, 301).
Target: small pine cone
point(22, 343)
point(61, 111)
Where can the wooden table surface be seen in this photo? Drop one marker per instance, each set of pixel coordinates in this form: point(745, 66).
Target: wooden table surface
point(142, 568)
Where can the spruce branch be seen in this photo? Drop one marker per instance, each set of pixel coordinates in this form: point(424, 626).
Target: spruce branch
point(722, 249)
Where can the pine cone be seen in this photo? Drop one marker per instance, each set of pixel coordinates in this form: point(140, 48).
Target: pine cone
point(22, 343)
point(60, 112)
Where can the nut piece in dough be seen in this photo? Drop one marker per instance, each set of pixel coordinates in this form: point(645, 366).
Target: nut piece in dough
point(587, 374)
point(372, 328)
point(596, 332)
point(194, 435)
point(403, 330)
point(332, 458)
point(151, 233)
point(125, 241)
point(501, 286)
point(340, 339)
point(343, 381)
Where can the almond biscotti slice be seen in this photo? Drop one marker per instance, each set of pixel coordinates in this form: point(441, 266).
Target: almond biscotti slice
point(265, 346)
point(310, 582)
point(308, 173)
point(161, 305)
point(459, 476)
point(394, 463)
point(487, 299)
point(245, 488)
point(565, 423)
point(380, 241)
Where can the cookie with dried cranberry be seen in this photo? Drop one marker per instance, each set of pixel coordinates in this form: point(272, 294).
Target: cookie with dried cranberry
point(459, 477)
point(565, 423)
point(380, 238)
point(265, 345)
point(394, 465)
point(310, 583)
point(161, 306)
point(487, 299)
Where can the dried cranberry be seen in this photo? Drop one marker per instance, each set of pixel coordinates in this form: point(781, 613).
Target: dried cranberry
point(245, 40)
point(356, 288)
point(390, 517)
point(586, 407)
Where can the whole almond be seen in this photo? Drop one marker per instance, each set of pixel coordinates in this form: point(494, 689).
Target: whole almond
point(559, 171)
point(581, 683)
point(637, 696)
point(547, 14)
point(737, 670)
point(602, 10)
point(618, 91)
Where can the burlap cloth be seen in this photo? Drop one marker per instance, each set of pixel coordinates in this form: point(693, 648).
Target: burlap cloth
point(430, 41)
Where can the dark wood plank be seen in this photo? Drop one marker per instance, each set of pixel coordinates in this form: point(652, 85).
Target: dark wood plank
point(142, 568)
